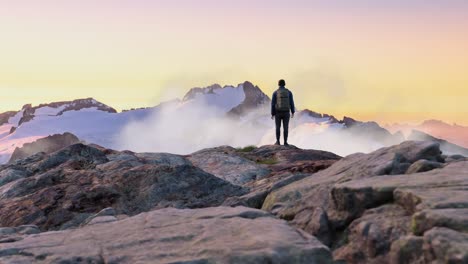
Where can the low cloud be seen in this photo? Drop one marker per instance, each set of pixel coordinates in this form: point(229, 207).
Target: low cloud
point(179, 129)
point(183, 129)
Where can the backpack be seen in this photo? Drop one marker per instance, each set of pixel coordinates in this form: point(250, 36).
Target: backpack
point(282, 100)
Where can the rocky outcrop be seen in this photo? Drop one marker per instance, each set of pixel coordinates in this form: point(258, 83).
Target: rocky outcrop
point(211, 235)
point(370, 237)
point(254, 99)
point(62, 189)
point(431, 199)
point(47, 145)
point(227, 164)
point(4, 117)
point(261, 169)
point(191, 94)
point(362, 205)
point(401, 204)
point(438, 245)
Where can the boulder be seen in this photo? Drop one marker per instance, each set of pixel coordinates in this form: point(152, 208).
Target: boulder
point(224, 163)
point(453, 218)
point(369, 238)
point(423, 165)
point(286, 164)
point(210, 235)
point(438, 245)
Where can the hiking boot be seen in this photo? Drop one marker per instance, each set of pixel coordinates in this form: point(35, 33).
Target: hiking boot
point(277, 143)
point(286, 144)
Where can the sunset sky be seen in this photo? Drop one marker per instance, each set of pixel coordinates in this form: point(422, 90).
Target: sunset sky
point(400, 60)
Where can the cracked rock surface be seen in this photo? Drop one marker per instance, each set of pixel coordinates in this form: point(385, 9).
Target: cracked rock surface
point(210, 235)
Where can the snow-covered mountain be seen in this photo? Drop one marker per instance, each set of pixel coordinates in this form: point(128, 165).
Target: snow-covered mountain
point(204, 117)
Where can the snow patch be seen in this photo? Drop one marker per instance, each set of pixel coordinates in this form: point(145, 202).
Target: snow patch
point(90, 125)
point(14, 120)
point(49, 111)
point(222, 99)
point(5, 130)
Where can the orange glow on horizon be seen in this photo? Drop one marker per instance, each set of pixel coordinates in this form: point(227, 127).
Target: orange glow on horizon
point(402, 64)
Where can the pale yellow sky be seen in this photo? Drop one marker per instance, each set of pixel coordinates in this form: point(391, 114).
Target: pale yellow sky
point(372, 62)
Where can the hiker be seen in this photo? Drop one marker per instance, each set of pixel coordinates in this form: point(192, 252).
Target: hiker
point(281, 104)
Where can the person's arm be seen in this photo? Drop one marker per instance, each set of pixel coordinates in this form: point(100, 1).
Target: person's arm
point(291, 102)
point(273, 104)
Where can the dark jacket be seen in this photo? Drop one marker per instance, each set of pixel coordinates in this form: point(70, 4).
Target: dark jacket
point(273, 102)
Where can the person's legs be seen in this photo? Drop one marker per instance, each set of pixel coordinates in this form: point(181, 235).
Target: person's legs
point(278, 126)
point(286, 128)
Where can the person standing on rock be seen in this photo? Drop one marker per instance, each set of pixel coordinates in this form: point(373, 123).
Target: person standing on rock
point(282, 104)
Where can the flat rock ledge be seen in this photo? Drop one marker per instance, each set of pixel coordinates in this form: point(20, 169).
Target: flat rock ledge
point(198, 236)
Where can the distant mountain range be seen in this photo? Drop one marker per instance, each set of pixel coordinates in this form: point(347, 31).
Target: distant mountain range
point(204, 117)
point(456, 134)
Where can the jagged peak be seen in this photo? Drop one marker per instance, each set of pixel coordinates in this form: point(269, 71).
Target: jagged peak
point(201, 90)
point(248, 87)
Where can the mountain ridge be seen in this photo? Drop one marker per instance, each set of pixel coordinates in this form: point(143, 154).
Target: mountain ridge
point(241, 112)
point(455, 133)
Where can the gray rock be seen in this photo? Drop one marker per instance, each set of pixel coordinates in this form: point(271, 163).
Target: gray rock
point(317, 224)
point(284, 155)
point(455, 219)
point(423, 165)
point(370, 237)
point(377, 190)
point(27, 229)
point(65, 188)
point(414, 198)
point(444, 245)
point(162, 159)
point(407, 250)
point(455, 158)
point(10, 175)
point(102, 219)
point(109, 211)
point(105, 215)
point(287, 164)
point(438, 245)
point(360, 182)
point(211, 235)
point(7, 230)
point(316, 190)
point(23, 230)
point(225, 164)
